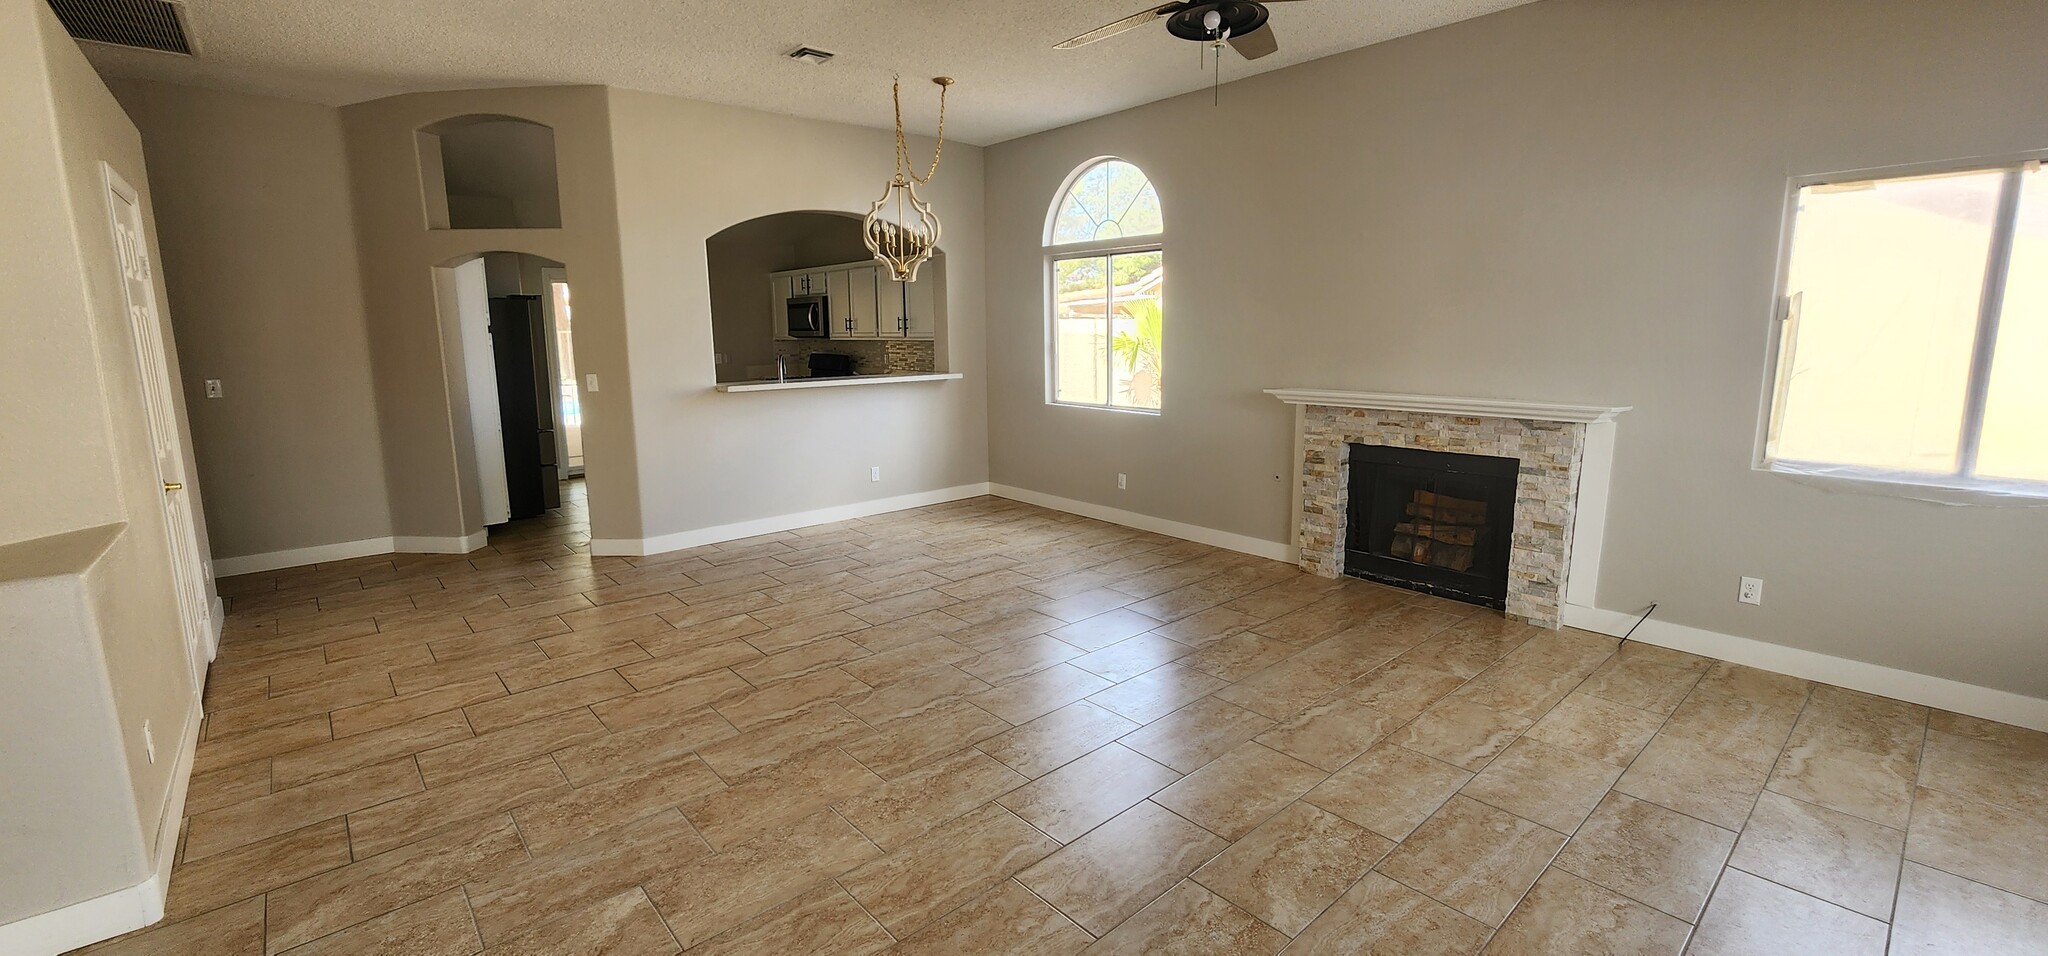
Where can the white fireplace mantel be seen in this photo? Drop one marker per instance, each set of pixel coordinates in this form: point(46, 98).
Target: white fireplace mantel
point(1450, 405)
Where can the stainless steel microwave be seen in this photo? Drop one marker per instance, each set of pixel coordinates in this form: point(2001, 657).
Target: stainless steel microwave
point(807, 316)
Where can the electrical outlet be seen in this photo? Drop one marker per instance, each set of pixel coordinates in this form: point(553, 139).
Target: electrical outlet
point(1120, 481)
point(718, 358)
point(213, 389)
point(1752, 591)
point(875, 473)
point(590, 382)
point(148, 742)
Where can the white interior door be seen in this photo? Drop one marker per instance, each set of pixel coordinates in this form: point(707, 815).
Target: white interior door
point(188, 568)
point(464, 299)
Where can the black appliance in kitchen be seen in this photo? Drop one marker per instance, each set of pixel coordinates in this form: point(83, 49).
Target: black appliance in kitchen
point(830, 365)
point(807, 316)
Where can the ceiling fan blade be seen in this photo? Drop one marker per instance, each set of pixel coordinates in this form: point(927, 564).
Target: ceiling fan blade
point(1257, 43)
point(1131, 22)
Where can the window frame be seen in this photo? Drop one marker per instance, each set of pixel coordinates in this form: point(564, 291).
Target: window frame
point(1961, 486)
point(1053, 253)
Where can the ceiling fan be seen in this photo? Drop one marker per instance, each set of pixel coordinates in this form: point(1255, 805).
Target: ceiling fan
point(1241, 23)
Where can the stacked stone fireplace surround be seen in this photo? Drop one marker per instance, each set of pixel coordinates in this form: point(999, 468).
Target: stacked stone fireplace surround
point(1550, 453)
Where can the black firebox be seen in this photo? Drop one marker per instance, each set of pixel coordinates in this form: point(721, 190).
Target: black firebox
point(1432, 521)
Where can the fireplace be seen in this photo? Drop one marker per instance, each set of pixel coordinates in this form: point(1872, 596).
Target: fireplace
point(1433, 521)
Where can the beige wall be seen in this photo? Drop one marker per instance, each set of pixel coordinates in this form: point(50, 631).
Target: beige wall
point(687, 170)
point(398, 253)
point(260, 261)
point(83, 483)
point(1572, 201)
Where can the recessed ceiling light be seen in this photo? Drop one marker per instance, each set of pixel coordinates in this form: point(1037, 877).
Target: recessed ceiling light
point(811, 55)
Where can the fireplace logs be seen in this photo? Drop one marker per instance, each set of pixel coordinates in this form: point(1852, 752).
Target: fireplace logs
point(1441, 531)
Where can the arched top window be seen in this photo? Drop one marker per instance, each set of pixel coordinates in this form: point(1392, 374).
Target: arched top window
point(1109, 199)
point(1106, 273)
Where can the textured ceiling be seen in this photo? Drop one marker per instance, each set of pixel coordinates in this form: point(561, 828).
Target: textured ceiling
point(1011, 80)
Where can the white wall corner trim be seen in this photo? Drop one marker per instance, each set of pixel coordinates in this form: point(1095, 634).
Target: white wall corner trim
point(299, 557)
point(1259, 547)
point(662, 544)
point(1450, 405)
point(124, 910)
point(2004, 706)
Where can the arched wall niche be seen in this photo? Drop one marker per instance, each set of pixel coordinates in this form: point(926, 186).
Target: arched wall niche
point(489, 171)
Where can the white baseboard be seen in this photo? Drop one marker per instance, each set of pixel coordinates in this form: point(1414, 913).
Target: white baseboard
point(124, 910)
point(662, 544)
point(299, 557)
point(2004, 706)
point(1276, 550)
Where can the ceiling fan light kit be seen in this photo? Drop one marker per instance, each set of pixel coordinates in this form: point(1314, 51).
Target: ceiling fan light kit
point(900, 228)
point(1240, 23)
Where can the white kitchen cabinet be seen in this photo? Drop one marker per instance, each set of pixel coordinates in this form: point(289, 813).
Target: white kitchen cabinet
point(861, 312)
point(888, 305)
point(921, 308)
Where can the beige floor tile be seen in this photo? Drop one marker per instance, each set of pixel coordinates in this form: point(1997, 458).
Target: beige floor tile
point(1597, 728)
point(801, 660)
point(285, 810)
point(1238, 656)
point(545, 701)
point(1284, 689)
point(235, 930)
point(1204, 627)
point(1473, 857)
point(905, 743)
point(651, 675)
point(721, 891)
point(1465, 652)
point(349, 753)
point(1157, 692)
point(1943, 913)
point(1189, 920)
point(1865, 770)
point(1131, 656)
point(1006, 920)
point(1236, 792)
point(219, 788)
point(906, 696)
point(1104, 877)
point(937, 872)
point(1389, 790)
point(615, 802)
point(1462, 732)
point(1569, 650)
point(1845, 860)
point(786, 698)
point(362, 718)
point(622, 751)
point(1401, 688)
point(906, 807)
point(1083, 794)
point(1642, 683)
point(1749, 915)
point(1380, 916)
point(1732, 723)
point(1293, 866)
point(909, 661)
point(277, 710)
point(440, 926)
point(1650, 854)
point(787, 790)
point(823, 921)
point(622, 925)
point(520, 897)
point(376, 885)
point(1331, 734)
point(2011, 772)
point(1105, 629)
point(1046, 743)
point(1196, 734)
point(395, 823)
point(1039, 693)
point(1696, 780)
point(1991, 844)
point(464, 759)
point(1525, 690)
point(1549, 785)
point(217, 753)
point(1565, 914)
point(203, 885)
point(824, 725)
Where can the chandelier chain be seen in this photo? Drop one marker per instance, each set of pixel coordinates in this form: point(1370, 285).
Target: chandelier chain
point(904, 168)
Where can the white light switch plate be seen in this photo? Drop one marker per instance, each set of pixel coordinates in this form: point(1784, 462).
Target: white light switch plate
point(590, 382)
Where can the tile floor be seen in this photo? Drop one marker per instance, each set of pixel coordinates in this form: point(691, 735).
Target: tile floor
point(984, 727)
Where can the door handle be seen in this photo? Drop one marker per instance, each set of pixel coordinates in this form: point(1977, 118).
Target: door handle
point(170, 486)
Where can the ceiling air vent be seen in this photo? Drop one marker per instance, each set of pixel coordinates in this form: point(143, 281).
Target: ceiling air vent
point(143, 24)
point(811, 55)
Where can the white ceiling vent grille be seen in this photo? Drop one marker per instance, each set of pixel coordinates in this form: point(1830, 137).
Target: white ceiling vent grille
point(143, 24)
point(810, 54)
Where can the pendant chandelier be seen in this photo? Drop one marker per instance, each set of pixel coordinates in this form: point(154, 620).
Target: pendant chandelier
point(900, 229)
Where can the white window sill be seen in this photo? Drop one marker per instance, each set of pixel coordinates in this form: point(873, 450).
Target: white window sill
point(837, 381)
point(1121, 409)
point(2018, 494)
